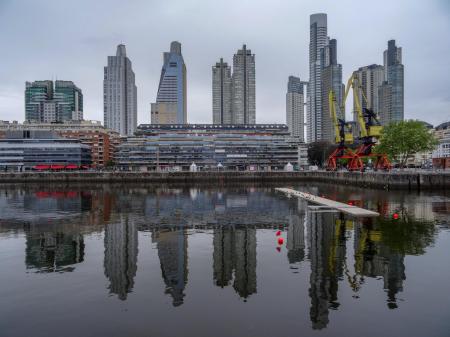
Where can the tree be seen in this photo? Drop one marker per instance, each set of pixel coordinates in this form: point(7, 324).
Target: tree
point(318, 152)
point(109, 164)
point(400, 140)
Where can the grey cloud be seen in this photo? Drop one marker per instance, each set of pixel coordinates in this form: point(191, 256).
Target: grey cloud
point(71, 40)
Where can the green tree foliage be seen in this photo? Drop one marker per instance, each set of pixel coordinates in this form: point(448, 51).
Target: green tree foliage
point(407, 235)
point(109, 164)
point(401, 140)
point(318, 152)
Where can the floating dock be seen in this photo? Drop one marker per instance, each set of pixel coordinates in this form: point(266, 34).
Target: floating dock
point(344, 208)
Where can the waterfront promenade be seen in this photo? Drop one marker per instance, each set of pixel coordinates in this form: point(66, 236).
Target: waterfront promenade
point(385, 180)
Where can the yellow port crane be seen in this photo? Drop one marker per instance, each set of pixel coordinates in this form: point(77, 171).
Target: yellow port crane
point(342, 134)
point(370, 129)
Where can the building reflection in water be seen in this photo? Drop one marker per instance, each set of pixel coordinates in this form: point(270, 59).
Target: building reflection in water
point(326, 238)
point(296, 234)
point(54, 239)
point(54, 224)
point(48, 251)
point(121, 250)
point(235, 256)
point(172, 253)
point(373, 258)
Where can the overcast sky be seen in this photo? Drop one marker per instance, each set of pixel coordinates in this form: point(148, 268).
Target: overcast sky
point(70, 40)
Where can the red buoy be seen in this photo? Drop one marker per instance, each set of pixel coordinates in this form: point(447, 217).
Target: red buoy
point(279, 249)
point(395, 216)
point(350, 203)
point(278, 233)
point(280, 240)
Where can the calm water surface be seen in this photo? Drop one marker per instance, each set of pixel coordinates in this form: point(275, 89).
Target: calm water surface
point(145, 260)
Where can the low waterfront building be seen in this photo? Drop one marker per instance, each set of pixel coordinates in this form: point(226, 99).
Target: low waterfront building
point(102, 141)
point(209, 146)
point(213, 129)
point(28, 150)
point(441, 155)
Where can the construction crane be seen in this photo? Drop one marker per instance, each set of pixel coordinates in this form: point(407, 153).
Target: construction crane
point(343, 135)
point(370, 130)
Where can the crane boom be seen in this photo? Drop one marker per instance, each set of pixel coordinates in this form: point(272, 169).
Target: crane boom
point(369, 125)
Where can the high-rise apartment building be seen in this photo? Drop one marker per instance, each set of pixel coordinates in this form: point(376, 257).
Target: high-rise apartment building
point(295, 118)
point(318, 41)
point(120, 94)
point(391, 92)
point(221, 93)
point(331, 79)
point(369, 79)
point(171, 102)
point(45, 103)
point(243, 87)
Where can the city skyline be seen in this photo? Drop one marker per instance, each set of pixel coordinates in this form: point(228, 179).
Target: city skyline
point(272, 74)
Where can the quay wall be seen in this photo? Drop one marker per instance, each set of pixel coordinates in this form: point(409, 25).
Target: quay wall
point(384, 180)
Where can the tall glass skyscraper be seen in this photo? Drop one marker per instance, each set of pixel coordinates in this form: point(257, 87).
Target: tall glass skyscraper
point(171, 100)
point(70, 100)
point(45, 103)
point(36, 93)
point(120, 94)
point(391, 92)
point(318, 40)
point(243, 87)
point(331, 79)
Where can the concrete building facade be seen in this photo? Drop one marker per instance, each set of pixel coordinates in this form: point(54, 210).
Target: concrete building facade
point(370, 78)
point(120, 94)
point(235, 147)
point(244, 87)
point(26, 150)
point(221, 93)
point(102, 142)
point(295, 116)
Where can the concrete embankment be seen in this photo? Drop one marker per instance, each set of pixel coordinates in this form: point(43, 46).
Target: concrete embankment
point(394, 180)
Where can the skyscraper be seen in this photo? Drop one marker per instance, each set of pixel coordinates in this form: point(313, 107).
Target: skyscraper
point(331, 79)
point(221, 93)
point(391, 92)
point(295, 118)
point(243, 87)
point(46, 104)
point(318, 40)
point(36, 93)
point(120, 94)
point(70, 100)
point(171, 104)
point(369, 78)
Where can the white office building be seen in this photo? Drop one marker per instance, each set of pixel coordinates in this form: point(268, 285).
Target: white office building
point(120, 94)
